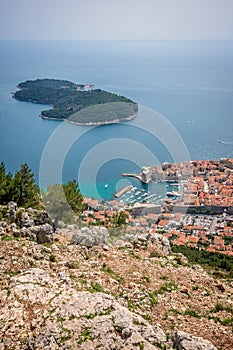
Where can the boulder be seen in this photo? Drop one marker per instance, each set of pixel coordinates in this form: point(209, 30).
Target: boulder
point(91, 236)
point(24, 219)
point(160, 243)
point(32, 217)
point(30, 223)
point(11, 210)
point(41, 234)
point(184, 341)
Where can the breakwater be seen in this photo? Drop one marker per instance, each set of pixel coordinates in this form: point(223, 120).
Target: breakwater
point(122, 191)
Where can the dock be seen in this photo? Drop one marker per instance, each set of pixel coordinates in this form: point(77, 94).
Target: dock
point(137, 176)
point(174, 193)
point(122, 191)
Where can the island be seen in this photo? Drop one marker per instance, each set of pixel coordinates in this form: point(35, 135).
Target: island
point(76, 103)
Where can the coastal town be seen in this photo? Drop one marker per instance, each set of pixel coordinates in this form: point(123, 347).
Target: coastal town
point(198, 214)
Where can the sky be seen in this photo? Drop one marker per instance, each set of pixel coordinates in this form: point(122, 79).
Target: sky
point(117, 19)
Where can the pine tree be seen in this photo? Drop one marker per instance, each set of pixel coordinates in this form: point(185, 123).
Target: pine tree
point(25, 192)
point(5, 185)
point(63, 201)
point(2, 181)
point(73, 196)
point(119, 219)
point(56, 204)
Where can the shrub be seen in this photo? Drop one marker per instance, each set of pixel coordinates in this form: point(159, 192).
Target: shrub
point(192, 313)
point(52, 258)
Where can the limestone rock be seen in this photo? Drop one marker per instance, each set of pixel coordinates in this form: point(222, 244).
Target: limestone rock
point(159, 241)
point(30, 223)
point(12, 209)
point(31, 217)
point(41, 234)
point(185, 341)
point(24, 219)
point(91, 236)
point(56, 316)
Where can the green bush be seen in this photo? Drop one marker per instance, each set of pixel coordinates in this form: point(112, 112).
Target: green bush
point(205, 258)
point(52, 258)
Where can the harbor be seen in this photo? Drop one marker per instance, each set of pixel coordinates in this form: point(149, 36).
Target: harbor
point(122, 191)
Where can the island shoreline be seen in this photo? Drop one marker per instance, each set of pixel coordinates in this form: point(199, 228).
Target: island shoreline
point(114, 121)
point(75, 106)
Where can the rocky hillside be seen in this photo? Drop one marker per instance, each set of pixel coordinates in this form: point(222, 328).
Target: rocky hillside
point(72, 289)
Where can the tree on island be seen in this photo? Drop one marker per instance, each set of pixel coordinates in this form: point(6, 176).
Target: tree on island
point(70, 101)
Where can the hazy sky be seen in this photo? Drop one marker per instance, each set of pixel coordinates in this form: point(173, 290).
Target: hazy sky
point(116, 19)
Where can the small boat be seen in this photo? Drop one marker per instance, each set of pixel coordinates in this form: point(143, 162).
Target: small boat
point(106, 186)
point(225, 142)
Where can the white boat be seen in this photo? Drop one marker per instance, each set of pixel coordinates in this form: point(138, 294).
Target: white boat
point(106, 186)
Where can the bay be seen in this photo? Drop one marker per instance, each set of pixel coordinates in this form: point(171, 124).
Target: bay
point(190, 84)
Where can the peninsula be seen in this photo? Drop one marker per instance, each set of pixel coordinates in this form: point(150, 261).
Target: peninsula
point(77, 103)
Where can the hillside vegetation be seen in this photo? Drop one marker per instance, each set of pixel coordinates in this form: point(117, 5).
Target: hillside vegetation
point(68, 98)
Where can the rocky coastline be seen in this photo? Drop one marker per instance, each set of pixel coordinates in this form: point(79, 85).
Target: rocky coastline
point(132, 117)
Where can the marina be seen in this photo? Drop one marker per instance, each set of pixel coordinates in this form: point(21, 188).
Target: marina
point(122, 191)
point(155, 193)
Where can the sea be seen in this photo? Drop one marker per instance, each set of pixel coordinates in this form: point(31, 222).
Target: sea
point(184, 90)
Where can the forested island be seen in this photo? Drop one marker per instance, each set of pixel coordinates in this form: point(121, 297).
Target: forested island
point(76, 103)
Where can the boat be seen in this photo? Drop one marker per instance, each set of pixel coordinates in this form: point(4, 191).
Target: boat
point(225, 142)
point(106, 186)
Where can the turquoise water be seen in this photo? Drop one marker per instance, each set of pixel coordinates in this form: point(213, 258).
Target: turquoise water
point(189, 83)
